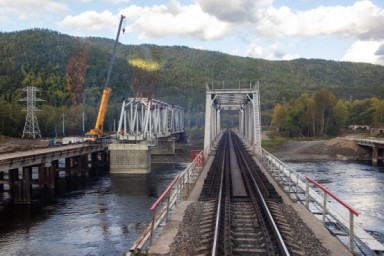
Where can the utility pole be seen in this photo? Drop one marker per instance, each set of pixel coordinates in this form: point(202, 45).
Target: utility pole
point(63, 115)
point(83, 115)
point(31, 126)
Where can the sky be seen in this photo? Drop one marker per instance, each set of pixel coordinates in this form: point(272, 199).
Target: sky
point(338, 30)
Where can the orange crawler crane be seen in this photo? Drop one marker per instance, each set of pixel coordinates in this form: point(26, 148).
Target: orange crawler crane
point(95, 135)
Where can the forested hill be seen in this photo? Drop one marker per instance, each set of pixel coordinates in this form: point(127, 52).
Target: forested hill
point(71, 72)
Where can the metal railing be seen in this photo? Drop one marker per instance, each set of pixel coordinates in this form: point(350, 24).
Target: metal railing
point(295, 184)
point(177, 190)
point(324, 206)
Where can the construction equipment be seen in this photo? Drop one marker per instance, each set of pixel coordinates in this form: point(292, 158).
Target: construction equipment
point(96, 135)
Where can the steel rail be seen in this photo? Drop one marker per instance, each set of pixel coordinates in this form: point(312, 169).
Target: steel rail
point(219, 199)
point(282, 246)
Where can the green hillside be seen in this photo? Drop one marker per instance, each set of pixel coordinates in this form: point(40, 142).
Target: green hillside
point(71, 72)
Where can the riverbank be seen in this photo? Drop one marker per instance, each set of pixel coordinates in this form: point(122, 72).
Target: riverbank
point(340, 148)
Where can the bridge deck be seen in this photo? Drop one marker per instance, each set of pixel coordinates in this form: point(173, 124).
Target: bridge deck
point(38, 156)
point(161, 245)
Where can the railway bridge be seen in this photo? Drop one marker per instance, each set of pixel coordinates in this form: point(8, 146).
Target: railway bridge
point(244, 192)
point(17, 168)
point(377, 146)
point(146, 127)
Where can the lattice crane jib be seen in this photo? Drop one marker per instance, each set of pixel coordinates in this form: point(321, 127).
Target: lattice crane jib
point(31, 126)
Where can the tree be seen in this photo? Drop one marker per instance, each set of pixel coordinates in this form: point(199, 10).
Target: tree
point(340, 115)
point(277, 116)
point(325, 102)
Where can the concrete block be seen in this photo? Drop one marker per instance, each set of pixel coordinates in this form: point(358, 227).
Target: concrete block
point(129, 158)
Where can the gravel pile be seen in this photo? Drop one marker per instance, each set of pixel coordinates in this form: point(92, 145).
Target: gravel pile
point(188, 236)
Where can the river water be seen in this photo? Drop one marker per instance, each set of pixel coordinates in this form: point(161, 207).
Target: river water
point(359, 184)
point(104, 215)
point(101, 215)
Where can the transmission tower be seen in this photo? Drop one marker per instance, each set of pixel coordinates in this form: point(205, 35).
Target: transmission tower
point(31, 126)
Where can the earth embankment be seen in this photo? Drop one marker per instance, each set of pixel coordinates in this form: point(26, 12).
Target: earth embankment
point(341, 148)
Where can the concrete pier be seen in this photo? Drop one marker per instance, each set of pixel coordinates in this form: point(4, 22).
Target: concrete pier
point(164, 146)
point(129, 158)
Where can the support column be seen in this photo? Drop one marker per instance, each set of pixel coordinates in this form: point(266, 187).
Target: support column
point(208, 119)
point(68, 166)
point(13, 176)
point(84, 164)
point(1, 181)
point(22, 189)
point(78, 166)
point(375, 153)
point(94, 159)
point(42, 176)
point(51, 176)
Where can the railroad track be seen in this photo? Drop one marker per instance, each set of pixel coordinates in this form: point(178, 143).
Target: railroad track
point(243, 216)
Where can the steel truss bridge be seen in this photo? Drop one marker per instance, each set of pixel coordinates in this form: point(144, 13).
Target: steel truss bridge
point(244, 100)
point(146, 119)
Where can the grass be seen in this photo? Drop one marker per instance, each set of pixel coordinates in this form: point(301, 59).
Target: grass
point(274, 142)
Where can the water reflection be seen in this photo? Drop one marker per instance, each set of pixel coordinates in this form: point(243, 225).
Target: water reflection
point(133, 185)
point(85, 216)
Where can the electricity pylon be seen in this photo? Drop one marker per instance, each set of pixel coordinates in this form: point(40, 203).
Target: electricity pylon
point(31, 126)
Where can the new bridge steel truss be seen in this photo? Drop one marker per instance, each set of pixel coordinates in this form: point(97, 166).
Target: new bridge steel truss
point(146, 119)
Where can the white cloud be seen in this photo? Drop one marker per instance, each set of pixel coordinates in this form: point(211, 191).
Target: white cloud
point(91, 20)
point(365, 51)
point(239, 11)
point(272, 52)
point(363, 19)
point(116, 1)
point(175, 20)
point(25, 9)
point(156, 21)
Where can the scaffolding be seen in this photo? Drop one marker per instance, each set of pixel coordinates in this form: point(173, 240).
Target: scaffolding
point(31, 126)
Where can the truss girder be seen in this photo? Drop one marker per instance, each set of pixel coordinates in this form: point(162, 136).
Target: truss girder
point(145, 119)
point(246, 101)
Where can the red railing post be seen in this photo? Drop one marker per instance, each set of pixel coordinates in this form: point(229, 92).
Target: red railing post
point(351, 210)
point(168, 202)
point(152, 227)
point(307, 194)
point(324, 206)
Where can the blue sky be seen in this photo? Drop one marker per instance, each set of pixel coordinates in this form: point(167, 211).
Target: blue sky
point(270, 29)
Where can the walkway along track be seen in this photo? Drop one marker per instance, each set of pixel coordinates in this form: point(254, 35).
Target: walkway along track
point(243, 216)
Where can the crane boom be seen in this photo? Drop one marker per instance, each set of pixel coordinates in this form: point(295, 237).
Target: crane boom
point(94, 134)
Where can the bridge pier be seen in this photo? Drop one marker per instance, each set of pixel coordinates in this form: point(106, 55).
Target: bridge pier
point(164, 146)
point(375, 155)
point(13, 176)
point(22, 188)
point(129, 158)
point(2, 181)
point(47, 176)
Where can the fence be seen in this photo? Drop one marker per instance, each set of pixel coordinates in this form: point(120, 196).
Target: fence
point(296, 185)
point(179, 188)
